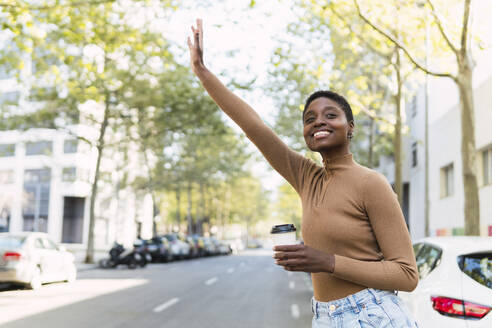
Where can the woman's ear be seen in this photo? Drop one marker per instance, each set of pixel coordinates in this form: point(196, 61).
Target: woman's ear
point(351, 127)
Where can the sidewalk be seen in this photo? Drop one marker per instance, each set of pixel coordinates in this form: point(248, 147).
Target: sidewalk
point(81, 266)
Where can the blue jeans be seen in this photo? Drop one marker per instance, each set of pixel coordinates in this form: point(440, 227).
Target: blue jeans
point(367, 308)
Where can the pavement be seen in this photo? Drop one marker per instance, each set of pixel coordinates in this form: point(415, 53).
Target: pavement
point(241, 291)
point(81, 266)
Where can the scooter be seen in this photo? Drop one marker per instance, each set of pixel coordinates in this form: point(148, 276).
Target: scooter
point(141, 248)
point(119, 255)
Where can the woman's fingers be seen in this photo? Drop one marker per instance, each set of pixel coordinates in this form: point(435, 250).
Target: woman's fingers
point(199, 24)
point(288, 248)
point(290, 262)
point(287, 255)
point(198, 34)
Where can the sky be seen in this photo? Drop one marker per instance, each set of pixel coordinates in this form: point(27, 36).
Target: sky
point(231, 27)
point(239, 42)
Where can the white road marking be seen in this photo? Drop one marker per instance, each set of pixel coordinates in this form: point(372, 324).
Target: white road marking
point(292, 284)
point(211, 281)
point(230, 270)
point(294, 310)
point(164, 306)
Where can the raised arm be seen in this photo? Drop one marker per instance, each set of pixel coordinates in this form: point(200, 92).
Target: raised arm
point(284, 160)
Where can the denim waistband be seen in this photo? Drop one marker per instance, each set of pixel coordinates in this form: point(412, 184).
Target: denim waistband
point(352, 302)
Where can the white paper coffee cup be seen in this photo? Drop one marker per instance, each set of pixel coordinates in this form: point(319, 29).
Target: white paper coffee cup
point(283, 234)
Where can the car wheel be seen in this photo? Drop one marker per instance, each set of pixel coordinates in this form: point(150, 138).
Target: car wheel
point(35, 282)
point(104, 263)
point(132, 264)
point(71, 274)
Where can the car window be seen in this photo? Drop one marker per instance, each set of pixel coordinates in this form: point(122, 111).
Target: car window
point(38, 243)
point(478, 267)
point(8, 241)
point(170, 237)
point(49, 244)
point(427, 259)
point(416, 248)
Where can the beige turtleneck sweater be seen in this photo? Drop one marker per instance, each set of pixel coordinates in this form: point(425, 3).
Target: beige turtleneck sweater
point(348, 210)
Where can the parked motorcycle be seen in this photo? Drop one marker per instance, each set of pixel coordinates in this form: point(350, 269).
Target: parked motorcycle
point(140, 247)
point(119, 255)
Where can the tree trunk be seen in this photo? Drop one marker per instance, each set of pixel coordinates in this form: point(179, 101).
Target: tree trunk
point(155, 213)
point(427, 160)
point(188, 211)
point(150, 183)
point(178, 207)
point(89, 257)
point(151, 190)
point(468, 151)
point(370, 154)
point(201, 210)
point(398, 127)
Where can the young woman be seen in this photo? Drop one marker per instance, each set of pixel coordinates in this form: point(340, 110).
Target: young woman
point(356, 244)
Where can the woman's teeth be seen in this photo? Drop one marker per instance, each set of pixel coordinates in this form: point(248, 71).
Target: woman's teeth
point(321, 134)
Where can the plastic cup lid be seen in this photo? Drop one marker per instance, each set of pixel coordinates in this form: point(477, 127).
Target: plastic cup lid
point(282, 228)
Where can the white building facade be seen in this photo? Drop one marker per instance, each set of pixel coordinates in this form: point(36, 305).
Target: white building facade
point(45, 184)
point(446, 192)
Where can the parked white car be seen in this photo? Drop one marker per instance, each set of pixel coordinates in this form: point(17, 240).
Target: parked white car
point(179, 248)
point(455, 287)
point(32, 258)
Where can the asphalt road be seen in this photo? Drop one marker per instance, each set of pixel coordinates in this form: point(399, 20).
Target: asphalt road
point(246, 290)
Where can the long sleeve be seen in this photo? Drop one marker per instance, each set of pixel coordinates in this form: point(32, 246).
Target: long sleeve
point(397, 270)
point(291, 165)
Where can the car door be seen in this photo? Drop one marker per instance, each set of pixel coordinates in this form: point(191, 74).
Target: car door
point(477, 288)
point(53, 260)
point(42, 257)
point(428, 258)
point(409, 298)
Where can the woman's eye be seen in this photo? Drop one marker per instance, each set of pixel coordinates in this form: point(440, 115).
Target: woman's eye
point(309, 120)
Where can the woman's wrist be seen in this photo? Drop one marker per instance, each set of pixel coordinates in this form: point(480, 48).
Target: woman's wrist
point(200, 71)
point(330, 263)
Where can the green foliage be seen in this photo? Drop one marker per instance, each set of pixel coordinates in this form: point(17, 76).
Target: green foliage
point(288, 207)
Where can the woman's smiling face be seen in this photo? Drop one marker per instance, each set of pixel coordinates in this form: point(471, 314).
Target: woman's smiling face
point(326, 127)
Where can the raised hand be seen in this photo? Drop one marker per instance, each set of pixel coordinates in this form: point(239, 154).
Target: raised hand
point(196, 47)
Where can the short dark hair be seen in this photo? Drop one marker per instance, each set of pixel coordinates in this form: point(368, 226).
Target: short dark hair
point(339, 99)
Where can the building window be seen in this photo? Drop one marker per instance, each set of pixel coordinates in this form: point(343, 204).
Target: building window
point(38, 175)
point(69, 174)
point(36, 199)
point(70, 146)
point(414, 155)
point(487, 166)
point(5, 73)
point(6, 177)
point(4, 218)
point(10, 98)
point(413, 106)
point(447, 181)
point(39, 148)
point(7, 150)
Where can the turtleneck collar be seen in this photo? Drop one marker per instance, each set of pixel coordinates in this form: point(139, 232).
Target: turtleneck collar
point(338, 162)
